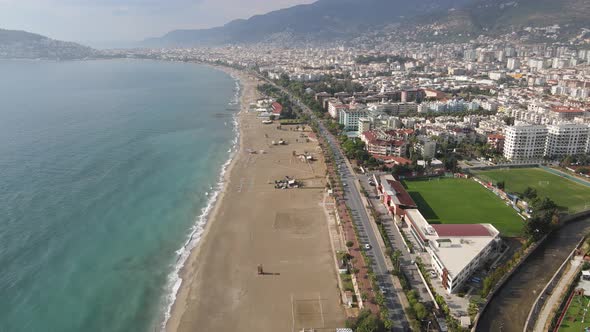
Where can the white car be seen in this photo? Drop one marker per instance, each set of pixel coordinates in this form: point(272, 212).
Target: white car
point(367, 246)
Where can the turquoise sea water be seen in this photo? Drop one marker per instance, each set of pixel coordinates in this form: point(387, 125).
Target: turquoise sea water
point(105, 168)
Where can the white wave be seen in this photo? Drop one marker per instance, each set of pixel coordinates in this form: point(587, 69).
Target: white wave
point(236, 98)
point(174, 280)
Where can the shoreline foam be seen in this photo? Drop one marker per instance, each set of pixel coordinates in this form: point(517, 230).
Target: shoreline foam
point(253, 224)
point(199, 229)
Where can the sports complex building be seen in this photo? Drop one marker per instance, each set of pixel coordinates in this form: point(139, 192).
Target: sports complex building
point(456, 250)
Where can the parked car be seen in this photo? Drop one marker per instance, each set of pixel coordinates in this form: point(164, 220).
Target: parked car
point(367, 246)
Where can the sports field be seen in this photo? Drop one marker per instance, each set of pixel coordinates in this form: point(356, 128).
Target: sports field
point(568, 195)
point(577, 317)
point(461, 201)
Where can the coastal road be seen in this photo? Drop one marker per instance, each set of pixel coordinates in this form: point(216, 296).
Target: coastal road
point(409, 269)
point(367, 234)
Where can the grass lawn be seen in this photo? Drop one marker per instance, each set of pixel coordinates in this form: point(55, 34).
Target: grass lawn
point(567, 194)
point(574, 315)
point(461, 201)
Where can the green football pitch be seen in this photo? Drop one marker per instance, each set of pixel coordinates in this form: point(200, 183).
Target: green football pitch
point(461, 201)
point(568, 195)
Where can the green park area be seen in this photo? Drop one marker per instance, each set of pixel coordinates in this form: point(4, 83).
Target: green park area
point(462, 201)
point(577, 316)
point(568, 195)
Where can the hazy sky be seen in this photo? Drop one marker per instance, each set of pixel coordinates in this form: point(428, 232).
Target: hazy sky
point(93, 21)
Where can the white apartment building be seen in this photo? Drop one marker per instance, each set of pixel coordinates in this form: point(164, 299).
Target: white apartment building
point(427, 149)
point(566, 139)
point(496, 75)
point(449, 106)
point(513, 64)
point(537, 64)
point(334, 107)
point(400, 108)
point(364, 124)
point(525, 142)
point(350, 118)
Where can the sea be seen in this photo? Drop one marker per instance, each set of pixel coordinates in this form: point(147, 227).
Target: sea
point(108, 170)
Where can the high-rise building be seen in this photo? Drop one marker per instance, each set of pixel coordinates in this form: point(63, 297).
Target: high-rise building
point(509, 51)
point(470, 55)
point(525, 142)
point(537, 64)
point(566, 139)
point(513, 64)
point(500, 56)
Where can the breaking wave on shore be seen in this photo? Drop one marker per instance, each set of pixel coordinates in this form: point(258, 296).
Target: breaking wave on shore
point(196, 232)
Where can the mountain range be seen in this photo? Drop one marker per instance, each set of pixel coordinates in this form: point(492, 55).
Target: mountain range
point(329, 20)
point(25, 45)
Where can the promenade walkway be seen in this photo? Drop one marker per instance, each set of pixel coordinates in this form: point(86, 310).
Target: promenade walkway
point(556, 296)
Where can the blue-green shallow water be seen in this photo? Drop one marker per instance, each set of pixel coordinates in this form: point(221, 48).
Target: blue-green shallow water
point(104, 170)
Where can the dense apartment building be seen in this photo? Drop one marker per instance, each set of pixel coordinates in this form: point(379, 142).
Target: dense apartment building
point(394, 108)
point(567, 113)
point(364, 125)
point(513, 64)
point(427, 149)
point(566, 139)
point(384, 146)
point(530, 142)
point(525, 142)
point(496, 141)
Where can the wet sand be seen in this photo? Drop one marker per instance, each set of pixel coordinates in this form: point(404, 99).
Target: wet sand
point(253, 223)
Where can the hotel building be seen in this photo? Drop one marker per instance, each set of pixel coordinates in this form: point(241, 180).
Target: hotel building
point(566, 139)
point(525, 142)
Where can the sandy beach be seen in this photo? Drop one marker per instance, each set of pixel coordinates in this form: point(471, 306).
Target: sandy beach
point(253, 223)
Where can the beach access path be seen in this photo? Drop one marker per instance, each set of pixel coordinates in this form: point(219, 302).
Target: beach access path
point(255, 224)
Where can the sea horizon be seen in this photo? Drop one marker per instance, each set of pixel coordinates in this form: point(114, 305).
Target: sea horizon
point(113, 147)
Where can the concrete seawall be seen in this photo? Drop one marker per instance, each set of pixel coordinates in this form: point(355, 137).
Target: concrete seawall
point(538, 305)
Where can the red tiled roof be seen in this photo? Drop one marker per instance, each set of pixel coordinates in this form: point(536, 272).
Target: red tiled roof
point(496, 136)
point(405, 131)
point(397, 160)
point(371, 137)
point(566, 109)
point(402, 195)
point(398, 142)
point(277, 108)
point(461, 230)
